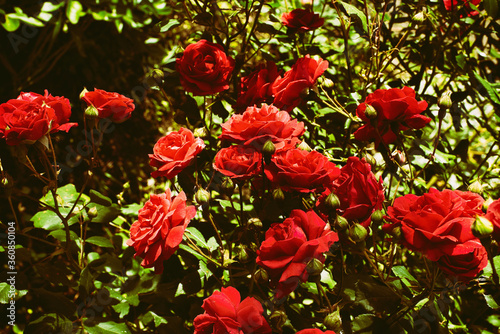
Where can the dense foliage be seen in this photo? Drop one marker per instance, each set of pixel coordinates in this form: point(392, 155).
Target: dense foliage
point(250, 166)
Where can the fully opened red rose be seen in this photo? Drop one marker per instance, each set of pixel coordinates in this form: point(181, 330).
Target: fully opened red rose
point(159, 228)
point(301, 171)
point(302, 75)
point(204, 68)
point(465, 4)
point(257, 125)
point(255, 88)
point(397, 110)
point(110, 105)
point(31, 116)
point(302, 20)
point(438, 224)
point(359, 192)
point(238, 162)
point(174, 152)
point(225, 314)
point(290, 245)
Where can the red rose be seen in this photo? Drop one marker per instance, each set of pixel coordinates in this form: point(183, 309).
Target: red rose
point(302, 20)
point(358, 190)
point(314, 331)
point(110, 105)
point(302, 75)
point(463, 4)
point(464, 266)
point(438, 224)
point(159, 229)
point(290, 245)
point(397, 110)
point(204, 68)
point(224, 314)
point(31, 116)
point(301, 170)
point(255, 88)
point(257, 125)
point(238, 162)
point(493, 214)
point(174, 152)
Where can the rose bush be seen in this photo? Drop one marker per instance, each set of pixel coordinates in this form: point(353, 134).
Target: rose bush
point(300, 170)
point(256, 88)
point(288, 89)
point(31, 116)
point(258, 125)
point(110, 105)
point(238, 162)
point(289, 246)
point(302, 20)
point(204, 68)
point(224, 313)
point(438, 224)
point(174, 152)
point(358, 190)
point(396, 110)
point(159, 228)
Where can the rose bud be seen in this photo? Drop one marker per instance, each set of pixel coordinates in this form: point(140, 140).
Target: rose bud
point(341, 224)
point(487, 203)
point(370, 112)
point(84, 91)
point(327, 83)
point(332, 321)
point(377, 216)
point(332, 202)
point(444, 102)
point(476, 187)
point(268, 149)
point(357, 233)
point(396, 233)
point(482, 227)
point(227, 186)
point(157, 75)
point(304, 147)
point(261, 276)
point(91, 112)
point(200, 132)
point(243, 254)
point(202, 196)
point(419, 17)
point(255, 222)
point(314, 267)
point(278, 195)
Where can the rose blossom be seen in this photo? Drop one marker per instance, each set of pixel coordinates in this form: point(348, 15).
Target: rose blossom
point(225, 314)
point(31, 116)
point(159, 228)
point(290, 245)
point(493, 214)
point(257, 125)
point(238, 162)
point(204, 68)
point(174, 152)
point(359, 192)
point(302, 75)
point(438, 224)
point(110, 105)
point(301, 170)
point(255, 88)
point(397, 110)
point(302, 20)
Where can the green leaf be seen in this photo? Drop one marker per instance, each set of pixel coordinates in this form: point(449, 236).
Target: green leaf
point(492, 303)
point(197, 237)
point(61, 235)
point(122, 308)
point(67, 196)
point(11, 24)
point(109, 327)
point(6, 295)
point(492, 92)
point(74, 11)
point(171, 23)
point(131, 209)
point(99, 241)
point(405, 276)
point(48, 220)
point(460, 58)
point(86, 281)
point(151, 316)
point(50, 323)
point(106, 214)
point(487, 271)
point(97, 197)
point(353, 11)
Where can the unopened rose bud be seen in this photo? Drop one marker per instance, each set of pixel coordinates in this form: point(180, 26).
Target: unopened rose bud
point(243, 254)
point(399, 157)
point(476, 187)
point(357, 233)
point(92, 213)
point(227, 186)
point(333, 321)
point(261, 276)
point(396, 233)
point(341, 224)
point(304, 147)
point(332, 202)
point(377, 216)
point(200, 132)
point(202, 196)
point(91, 112)
point(487, 203)
point(84, 91)
point(419, 17)
point(268, 150)
point(482, 227)
point(314, 267)
point(278, 195)
point(278, 318)
point(370, 112)
point(327, 83)
point(255, 223)
point(157, 75)
point(444, 102)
